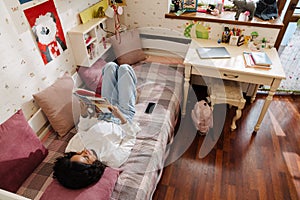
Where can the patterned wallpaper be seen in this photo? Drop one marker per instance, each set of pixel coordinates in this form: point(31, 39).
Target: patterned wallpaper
point(22, 71)
point(140, 13)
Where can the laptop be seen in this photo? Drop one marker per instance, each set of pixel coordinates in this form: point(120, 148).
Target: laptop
point(212, 52)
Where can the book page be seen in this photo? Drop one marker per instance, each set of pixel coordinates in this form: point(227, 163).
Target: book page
point(89, 98)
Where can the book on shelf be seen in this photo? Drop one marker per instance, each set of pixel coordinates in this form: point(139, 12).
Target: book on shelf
point(93, 99)
point(250, 62)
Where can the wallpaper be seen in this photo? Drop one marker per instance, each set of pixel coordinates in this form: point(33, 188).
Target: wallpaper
point(22, 70)
point(141, 13)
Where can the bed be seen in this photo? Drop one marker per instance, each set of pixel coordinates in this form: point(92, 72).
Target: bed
point(160, 80)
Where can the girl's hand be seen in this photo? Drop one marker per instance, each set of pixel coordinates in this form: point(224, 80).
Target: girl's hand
point(86, 111)
point(83, 109)
point(117, 113)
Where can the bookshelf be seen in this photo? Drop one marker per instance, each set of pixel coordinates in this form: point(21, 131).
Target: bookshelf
point(88, 42)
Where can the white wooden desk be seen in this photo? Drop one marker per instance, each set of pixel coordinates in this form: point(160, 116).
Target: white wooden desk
point(232, 69)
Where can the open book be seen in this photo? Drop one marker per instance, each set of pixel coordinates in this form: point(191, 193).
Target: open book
point(91, 98)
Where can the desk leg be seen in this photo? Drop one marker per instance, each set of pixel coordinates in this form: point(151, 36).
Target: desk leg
point(254, 94)
point(187, 76)
point(268, 100)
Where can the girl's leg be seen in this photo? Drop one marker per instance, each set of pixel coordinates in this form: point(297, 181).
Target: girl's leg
point(109, 82)
point(127, 90)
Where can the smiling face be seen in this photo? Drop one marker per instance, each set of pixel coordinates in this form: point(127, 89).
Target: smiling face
point(86, 156)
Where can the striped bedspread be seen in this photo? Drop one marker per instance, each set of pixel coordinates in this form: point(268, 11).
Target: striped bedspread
point(141, 173)
point(159, 83)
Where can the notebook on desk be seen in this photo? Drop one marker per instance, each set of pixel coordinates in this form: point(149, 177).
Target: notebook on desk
point(212, 52)
point(261, 58)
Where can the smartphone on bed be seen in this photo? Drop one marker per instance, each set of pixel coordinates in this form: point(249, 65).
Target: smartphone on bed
point(150, 107)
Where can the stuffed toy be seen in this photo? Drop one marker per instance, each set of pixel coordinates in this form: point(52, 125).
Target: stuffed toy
point(266, 9)
point(242, 6)
point(202, 117)
point(49, 43)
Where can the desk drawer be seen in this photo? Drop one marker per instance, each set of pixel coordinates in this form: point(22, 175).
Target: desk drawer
point(235, 76)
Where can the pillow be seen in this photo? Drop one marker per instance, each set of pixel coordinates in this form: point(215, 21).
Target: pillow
point(99, 191)
point(21, 152)
point(128, 48)
point(92, 76)
point(59, 105)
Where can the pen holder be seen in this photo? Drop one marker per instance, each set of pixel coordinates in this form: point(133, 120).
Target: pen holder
point(233, 40)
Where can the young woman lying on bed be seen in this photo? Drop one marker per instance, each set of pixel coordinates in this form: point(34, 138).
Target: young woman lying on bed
point(105, 142)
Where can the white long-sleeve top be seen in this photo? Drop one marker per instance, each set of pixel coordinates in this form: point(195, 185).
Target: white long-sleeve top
point(111, 142)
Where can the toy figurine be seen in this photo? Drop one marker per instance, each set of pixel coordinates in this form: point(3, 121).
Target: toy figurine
point(202, 116)
point(211, 9)
point(100, 12)
point(242, 6)
point(177, 5)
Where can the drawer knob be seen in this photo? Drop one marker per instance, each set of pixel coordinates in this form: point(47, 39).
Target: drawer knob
point(230, 75)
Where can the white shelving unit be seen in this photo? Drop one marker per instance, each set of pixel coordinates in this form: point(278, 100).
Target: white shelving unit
point(88, 41)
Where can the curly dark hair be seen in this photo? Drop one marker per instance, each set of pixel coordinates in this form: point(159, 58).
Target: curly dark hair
point(76, 175)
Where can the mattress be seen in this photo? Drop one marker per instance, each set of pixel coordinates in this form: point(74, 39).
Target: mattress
point(140, 174)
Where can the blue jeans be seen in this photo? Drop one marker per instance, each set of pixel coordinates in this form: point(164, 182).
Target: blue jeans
point(119, 87)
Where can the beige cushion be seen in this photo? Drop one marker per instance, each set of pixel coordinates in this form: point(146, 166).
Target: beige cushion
point(226, 89)
point(127, 47)
point(59, 105)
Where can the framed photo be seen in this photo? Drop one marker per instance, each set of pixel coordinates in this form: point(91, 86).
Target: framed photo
point(118, 2)
point(189, 5)
point(46, 27)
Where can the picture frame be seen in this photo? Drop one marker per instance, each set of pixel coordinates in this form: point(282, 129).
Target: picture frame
point(189, 5)
point(43, 17)
point(118, 2)
point(24, 1)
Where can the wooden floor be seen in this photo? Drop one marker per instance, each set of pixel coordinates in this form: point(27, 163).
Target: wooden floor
point(241, 165)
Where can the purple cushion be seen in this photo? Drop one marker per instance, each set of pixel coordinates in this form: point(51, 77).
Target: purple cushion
point(92, 76)
point(21, 151)
point(99, 191)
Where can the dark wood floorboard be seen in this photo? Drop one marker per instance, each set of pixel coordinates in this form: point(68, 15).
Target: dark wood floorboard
point(241, 165)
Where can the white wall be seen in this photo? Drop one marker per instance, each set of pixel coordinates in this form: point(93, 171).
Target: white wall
point(22, 71)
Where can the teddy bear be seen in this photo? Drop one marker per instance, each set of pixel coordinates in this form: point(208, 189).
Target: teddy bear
point(202, 117)
point(47, 37)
